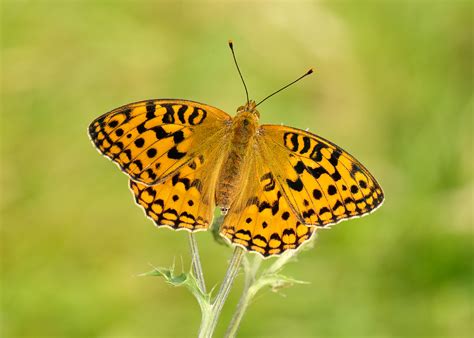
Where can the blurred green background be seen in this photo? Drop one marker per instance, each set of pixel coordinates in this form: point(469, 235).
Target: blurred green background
point(393, 87)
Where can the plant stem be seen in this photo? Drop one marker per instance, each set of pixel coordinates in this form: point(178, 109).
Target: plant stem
point(210, 320)
point(232, 271)
point(197, 268)
point(246, 296)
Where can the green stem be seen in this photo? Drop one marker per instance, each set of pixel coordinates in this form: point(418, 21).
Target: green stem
point(246, 296)
point(196, 262)
point(209, 321)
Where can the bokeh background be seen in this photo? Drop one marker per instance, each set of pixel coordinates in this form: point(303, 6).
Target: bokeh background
point(393, 87)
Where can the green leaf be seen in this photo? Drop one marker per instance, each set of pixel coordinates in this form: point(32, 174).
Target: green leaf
point(169, 276)
point(185, 279)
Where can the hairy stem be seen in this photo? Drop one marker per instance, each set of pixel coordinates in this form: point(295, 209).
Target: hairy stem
point(196, 262)
point(244, 301)
point(210, 320)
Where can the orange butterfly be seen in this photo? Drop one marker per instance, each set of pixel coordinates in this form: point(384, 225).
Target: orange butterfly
point(275, 184)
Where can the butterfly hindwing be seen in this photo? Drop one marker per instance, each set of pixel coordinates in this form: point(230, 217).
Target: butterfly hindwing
point(322, 182)
point(150, 140)
point(186, 199)
point(260, 219)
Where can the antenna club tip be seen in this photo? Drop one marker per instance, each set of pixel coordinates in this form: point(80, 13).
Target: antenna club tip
point(310, 71)
point(231, 44)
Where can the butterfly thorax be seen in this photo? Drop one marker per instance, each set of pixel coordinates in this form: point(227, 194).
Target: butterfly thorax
point(243, 131)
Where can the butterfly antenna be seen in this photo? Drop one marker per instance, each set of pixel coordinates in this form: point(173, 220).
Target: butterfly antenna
point(289, 84)
point(231, 45)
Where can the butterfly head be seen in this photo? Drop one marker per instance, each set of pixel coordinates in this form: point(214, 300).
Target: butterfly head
point(245, 123)
point(249, 108)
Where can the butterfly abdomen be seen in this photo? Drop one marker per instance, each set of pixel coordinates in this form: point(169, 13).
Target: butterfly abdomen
point(243, 131)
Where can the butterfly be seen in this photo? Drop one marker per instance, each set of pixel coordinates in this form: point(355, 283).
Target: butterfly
point(275, 184)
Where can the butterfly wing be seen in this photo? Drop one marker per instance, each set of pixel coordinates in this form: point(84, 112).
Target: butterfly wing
point(323, 183)
point(186, 199)
point(260, 218)
point(303, 181)
point(171, 150)
point(151, 140)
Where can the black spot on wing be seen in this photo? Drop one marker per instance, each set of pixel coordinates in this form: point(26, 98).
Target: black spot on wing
point(150, 174)
point(181, 112)
point(139, 164)
point(337, 205)
point(160, 132)
point(317, 172)
point(151, 152)
point(299, 167)
point(139, 142)
point(178, 136)
point(150, 109)
point(275, 208)
point(334, 159)
point(260, 238)
point(141, 128)
point(332, 190)
point(307, 214)
point(197, 116)
point(264, 205)
point(296, 185)
point(316, 153)
point(336, 176)
point(317, 194)
point(243, 232)
point(270, 185)
point(175, 154)
point(355, 168)
point(323, 210)
point(193, 165)
point(168, 117)
point(290, 140)
point(306, 145)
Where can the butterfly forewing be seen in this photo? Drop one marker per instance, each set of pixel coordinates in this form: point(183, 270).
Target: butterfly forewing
point(322, 182)
point(151, 140)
